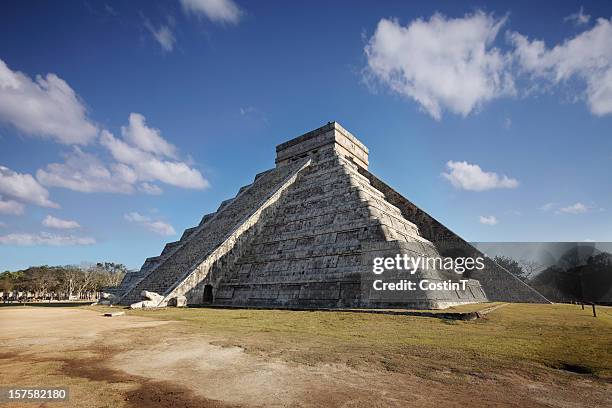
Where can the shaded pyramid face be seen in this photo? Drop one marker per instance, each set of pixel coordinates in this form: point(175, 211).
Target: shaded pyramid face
point(306, 234)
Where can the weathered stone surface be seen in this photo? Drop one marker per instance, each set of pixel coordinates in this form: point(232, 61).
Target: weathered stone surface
point(153, 300)
point(152, 296)
point(178, 301)
point(137, 305)
point(107, 299)
point(303, 235)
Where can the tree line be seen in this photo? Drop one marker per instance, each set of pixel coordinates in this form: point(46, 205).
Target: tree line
point(67, 282)
point(522, 269)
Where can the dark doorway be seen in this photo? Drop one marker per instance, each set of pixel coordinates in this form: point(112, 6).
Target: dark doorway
point(208, 294)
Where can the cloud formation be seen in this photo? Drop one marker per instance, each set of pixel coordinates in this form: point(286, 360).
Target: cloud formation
point(163, 35)
point(23, 187)
point(11, 207)
point(466, 176)
point(86, 173)
point(142, 156)
point(587, 57)
point(441, 63)
point(577, 208)
point(45, 107)
point(146, 138)
point(488, 220)
point(578, 18)
point(451, 64)
point(156, 226)
point(219, 11)
point(151, 189)
point(151, 167)
point(44, 238)
point(58, 223)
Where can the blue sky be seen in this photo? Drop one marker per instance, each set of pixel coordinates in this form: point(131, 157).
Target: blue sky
point(122, 123)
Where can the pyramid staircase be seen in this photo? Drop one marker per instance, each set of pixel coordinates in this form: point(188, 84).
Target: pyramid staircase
point(162, 273)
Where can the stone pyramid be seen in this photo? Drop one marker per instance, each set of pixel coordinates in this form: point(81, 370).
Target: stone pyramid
point(304, 235)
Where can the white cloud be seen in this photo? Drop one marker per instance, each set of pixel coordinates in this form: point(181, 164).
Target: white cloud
point(86, 173)
point(156, 226)
point(452, 64)
point(488, 220)
point(145, 138)
point(10, 207)
point(163, 35)
point(587, 56)
point(578, 18)
point(149, 167)
point(44, 238)
point(466, 176)
point(151, 189)
point(44, 107)
point(58, 223)
point(577, 208)
point(139, 162)
point(442, 63)
point(220, 11)
point(24, 187)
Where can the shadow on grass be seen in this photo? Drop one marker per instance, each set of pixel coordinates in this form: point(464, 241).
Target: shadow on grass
point(576, 368)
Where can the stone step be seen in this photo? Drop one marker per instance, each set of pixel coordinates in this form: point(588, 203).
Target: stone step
point(188, 232)
point(169, 247)
point(206, 218)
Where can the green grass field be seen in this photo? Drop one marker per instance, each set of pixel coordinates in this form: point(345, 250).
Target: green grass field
point(522, 337)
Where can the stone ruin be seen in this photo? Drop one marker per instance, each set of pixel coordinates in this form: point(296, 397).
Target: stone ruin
point(304, 234)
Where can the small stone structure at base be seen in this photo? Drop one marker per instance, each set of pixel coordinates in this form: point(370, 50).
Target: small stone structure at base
point(304, 235)
point(107, 299)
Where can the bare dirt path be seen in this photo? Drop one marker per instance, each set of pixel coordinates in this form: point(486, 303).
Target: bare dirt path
point(141, 362)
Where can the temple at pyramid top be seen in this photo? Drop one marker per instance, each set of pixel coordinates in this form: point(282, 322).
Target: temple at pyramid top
point(310, 143)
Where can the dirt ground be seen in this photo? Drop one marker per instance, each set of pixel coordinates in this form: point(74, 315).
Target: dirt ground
point(135, 361)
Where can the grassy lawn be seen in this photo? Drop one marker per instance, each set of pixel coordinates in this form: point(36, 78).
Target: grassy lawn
point(522, 337)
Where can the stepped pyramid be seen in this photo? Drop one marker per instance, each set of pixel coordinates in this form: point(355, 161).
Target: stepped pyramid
point(304, 235)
